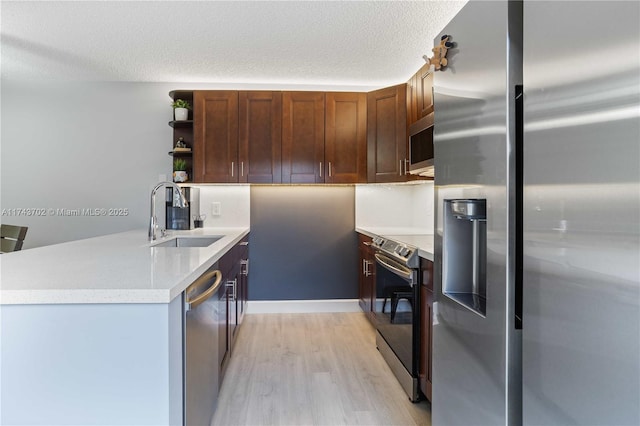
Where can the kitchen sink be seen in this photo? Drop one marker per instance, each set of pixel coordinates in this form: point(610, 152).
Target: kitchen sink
point(187, 242)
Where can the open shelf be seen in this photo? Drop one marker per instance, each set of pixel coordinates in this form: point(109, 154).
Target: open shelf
point(181, 124)
point(187, 95)
point(183, 130)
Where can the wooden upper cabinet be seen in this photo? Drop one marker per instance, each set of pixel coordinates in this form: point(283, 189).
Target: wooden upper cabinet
point(420, 94)
point(412, 99)
point(302, 137)
point(260, 137)
point(387, 134)
point(424, 95)
point(215, 151)
point(345, 148)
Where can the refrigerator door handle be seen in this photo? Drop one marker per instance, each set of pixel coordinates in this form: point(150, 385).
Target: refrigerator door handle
point(519, 207)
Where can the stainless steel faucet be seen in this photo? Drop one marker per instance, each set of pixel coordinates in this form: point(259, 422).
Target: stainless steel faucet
point(153, 224)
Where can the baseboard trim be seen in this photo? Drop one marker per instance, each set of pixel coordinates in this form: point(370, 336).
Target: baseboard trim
point(302, 306)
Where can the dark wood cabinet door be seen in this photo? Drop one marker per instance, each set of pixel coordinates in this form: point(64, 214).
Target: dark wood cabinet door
point(232, 288)
point(215, 151)
point(364, 291)
point(412, 99)
point(426, 327)
point(303, 137)
point(424, 93)
point(345, 139)
point(223, 328)
point(387, 134)
point(366, 276)
point(260, 137)
point(243, 285)
point(371, 283)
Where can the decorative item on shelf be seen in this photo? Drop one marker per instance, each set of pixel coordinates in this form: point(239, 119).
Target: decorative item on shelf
point(198, 220)
point(439, 59)
point(181, 146)
point(181, 109)
point(180, 170)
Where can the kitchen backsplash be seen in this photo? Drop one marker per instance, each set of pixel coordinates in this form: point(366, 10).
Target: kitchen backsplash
point(400, 206)
point(406, 207)
point(234, 205)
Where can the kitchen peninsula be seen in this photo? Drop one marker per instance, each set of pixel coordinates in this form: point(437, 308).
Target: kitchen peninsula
point(92, 330)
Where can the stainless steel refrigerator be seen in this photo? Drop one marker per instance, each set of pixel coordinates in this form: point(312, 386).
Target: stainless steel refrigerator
point(537, 192)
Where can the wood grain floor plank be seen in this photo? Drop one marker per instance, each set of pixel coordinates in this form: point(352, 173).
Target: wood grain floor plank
point(312, 369)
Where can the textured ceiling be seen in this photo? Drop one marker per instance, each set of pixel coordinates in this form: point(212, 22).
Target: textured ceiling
point(368, 44)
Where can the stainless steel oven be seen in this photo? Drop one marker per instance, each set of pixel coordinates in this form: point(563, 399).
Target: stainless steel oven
point(397, 310)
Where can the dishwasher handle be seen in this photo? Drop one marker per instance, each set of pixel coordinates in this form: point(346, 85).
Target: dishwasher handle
point(204, 279)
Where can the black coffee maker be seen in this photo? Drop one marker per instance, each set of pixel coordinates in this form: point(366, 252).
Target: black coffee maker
point(179, 217)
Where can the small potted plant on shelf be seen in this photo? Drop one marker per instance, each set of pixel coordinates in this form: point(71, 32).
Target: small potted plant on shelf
point(181, 109)
point(180, 170)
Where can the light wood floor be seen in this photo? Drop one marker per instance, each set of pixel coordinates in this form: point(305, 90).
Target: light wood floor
point(312, 369)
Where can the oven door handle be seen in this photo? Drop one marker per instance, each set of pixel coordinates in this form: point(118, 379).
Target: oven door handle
point(395, 267)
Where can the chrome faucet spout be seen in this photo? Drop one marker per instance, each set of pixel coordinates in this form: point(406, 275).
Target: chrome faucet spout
point(153, 222)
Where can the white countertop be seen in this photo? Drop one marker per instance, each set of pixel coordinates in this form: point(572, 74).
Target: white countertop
point(117, 268)
point(409, 236)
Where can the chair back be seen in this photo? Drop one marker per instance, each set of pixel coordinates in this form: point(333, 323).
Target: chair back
point(11, 237)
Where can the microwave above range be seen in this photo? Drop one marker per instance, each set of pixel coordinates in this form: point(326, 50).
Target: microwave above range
point(421, 147)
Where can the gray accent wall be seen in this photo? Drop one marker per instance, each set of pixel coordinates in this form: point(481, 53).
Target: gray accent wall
point(303, 244)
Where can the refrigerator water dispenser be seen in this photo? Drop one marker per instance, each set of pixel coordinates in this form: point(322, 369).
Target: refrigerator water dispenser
point(464, 257)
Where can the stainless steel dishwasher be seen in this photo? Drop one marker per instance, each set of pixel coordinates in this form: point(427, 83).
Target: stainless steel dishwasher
point(201, 368)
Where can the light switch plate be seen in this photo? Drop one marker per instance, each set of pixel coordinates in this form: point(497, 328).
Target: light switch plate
point(216, 208)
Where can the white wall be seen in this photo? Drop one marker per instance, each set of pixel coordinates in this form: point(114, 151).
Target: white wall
point(402, 208)
point(82, 145)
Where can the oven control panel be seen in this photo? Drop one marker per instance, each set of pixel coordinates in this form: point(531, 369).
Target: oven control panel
point(401, 252)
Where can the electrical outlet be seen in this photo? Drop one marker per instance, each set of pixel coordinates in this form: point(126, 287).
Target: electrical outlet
point(216, 208)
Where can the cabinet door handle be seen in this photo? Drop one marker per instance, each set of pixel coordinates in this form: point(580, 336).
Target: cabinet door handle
point(245, 263)
point(242, 168)
point(365, 268)
point(232, 286)
point(406, 166)
point(329, 168)
point(232, 169)
point(320, 168)
point(400, 168)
